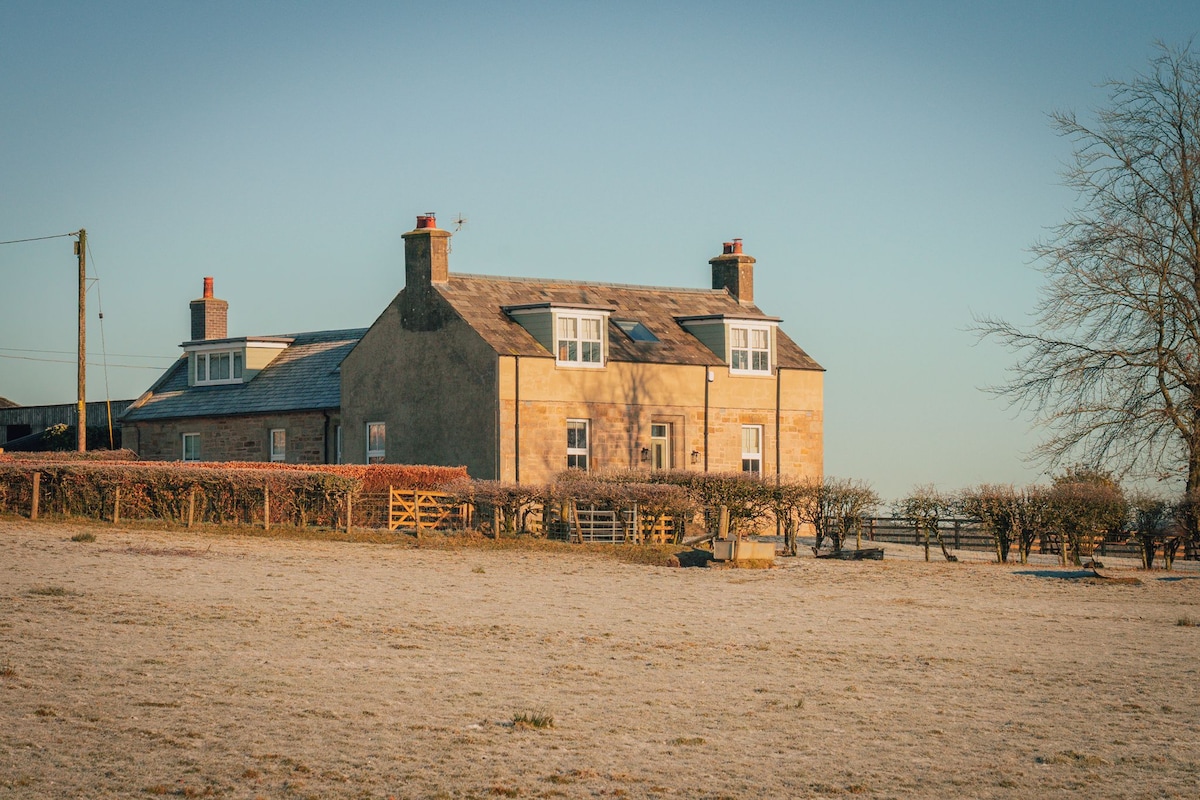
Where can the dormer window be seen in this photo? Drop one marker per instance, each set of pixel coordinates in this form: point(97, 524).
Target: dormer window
point(749, 349)
point(578, 341)
point(746, 344)
point(219, 366)
point(576, 335)
point(231, 361)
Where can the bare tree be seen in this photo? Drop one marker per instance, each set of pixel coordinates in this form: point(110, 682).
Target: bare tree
point(926, 507)
point(1111, 364)
point(999, 507)
point(834, 507)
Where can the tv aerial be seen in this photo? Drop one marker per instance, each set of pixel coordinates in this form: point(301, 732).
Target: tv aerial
point(460, 222)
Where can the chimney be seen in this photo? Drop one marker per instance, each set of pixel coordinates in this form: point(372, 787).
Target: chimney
point(210, 316)
point(734, 271)
point(426, 253)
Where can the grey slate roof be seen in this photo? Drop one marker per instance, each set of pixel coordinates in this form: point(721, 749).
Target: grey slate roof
point(481, 300)
point(303, 377)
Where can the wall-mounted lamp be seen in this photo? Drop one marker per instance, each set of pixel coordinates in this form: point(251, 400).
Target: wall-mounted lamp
point(645, 454)
point(695, 456)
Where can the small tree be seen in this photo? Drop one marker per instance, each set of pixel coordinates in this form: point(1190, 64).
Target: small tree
point(925, 507)
point(1035, 519)
point(509, 500)
point(1151, 517)
point(1001, 507)
point(788, 502)
point(1086, 505)
point(834, 507)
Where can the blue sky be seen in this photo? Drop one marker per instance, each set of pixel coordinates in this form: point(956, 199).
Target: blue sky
point(888, 164)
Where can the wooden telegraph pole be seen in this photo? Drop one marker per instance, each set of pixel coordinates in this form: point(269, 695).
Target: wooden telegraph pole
point(81, 424)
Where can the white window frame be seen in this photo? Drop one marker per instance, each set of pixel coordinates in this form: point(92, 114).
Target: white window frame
point(377, 455)
point(183, 453)
point(206, 360)
point(751, 457)
point(278, 436)
point(588, 352)
point(754, 358)
point(575, 453)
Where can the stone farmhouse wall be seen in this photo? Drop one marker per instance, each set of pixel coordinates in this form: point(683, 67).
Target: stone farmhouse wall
point(310, 437)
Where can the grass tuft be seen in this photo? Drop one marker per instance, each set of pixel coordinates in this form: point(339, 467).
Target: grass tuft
point(51, 591)
point(86, 536)
point(537, 720)
point(691, 741)
point(1187, 622)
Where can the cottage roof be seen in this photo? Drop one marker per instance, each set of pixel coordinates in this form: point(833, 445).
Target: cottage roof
point(303, 377)
point(481, 301)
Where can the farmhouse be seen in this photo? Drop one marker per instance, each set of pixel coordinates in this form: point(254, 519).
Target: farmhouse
point(516, 378)
point(520, 378)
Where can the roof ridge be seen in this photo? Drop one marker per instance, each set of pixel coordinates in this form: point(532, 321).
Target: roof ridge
point(305, 333)
point(569, 282)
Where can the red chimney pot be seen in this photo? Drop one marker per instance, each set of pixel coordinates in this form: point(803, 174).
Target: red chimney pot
point(208, 287)
point(737, 247)
point(427, 220)
point(727, 247)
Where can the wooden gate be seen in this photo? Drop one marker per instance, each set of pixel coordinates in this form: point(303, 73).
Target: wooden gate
point(424, 510)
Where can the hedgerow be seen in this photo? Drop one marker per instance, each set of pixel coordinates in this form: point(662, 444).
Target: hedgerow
point(167, 492)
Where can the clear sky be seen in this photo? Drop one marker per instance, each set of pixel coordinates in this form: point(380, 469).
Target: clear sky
point(888, 164)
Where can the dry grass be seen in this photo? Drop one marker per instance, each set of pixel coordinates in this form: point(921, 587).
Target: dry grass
point(246, 666)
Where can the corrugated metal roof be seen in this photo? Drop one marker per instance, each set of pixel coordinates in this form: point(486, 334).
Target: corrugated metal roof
point(302, 377)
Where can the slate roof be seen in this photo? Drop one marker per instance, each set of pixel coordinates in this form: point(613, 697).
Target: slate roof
point(481, 300)
point(303, 377)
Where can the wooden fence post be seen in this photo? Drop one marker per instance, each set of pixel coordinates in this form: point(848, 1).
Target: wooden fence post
point(37, 490)
point(417, 513)
point(266, 506)
point(117, 506)
point(191, 506)
point(349, 509)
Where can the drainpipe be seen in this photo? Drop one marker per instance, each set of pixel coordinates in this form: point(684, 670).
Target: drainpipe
point(325, 439)
point(778, 447)
point(707, 381)
point(517, 418)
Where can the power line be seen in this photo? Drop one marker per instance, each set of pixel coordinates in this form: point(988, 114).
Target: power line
point(72, 352)
point(65, 361)
point(42, 238)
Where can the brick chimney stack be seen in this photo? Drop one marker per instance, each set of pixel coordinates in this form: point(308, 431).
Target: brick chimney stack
point(426, 253)
point(210, 316)
point(733, 270)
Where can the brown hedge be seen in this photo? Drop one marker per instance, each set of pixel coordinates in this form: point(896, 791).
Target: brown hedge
point(164, 491)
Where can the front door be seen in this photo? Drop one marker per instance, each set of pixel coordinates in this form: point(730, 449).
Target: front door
point(660, 446)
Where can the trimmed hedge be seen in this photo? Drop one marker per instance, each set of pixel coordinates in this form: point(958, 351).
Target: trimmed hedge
point(372, 477)
point(224, 496)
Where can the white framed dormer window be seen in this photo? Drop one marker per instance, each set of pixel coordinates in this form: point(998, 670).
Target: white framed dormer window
point(752, 441)
point(191, 447)
point(579, 339)
point(750, 349)
point(219, 366)
point(278, 444)
point(577, 444)
point(376, 440)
